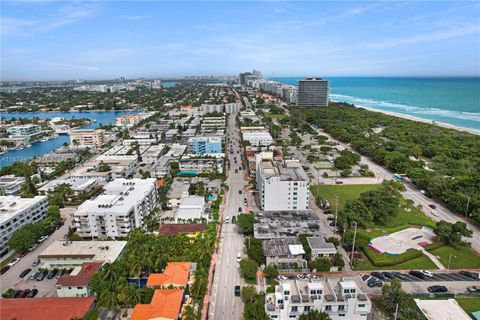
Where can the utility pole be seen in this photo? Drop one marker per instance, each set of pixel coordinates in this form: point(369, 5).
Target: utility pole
point(468, 204)
point(449, 259)
point(353, 243)
point(336, 213)
point(396, 312)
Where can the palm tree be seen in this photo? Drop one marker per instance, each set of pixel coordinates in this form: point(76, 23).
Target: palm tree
point(189, 313)
point(109, 272)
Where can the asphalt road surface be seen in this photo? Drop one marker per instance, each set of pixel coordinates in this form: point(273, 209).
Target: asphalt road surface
point(224, 303)
point(46, 288)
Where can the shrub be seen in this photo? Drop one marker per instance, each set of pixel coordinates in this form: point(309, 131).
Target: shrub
point(384, 260)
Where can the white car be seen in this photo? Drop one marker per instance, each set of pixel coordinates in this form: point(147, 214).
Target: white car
point(227, 220)
point(42, 239)
point(435, 213)
point(427, 273)
point(13, 262)
point(239, 258)
point(280, 277)
point(300, 276)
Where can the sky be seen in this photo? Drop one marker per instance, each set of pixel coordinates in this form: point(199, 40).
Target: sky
point(62, 40)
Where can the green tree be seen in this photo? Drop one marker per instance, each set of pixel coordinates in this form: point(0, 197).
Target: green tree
point(248, 269)
point(392, 294)
point(314, 315)
point(271, 271)
point(321, 264)
point(338, 261)
point(382, 205)
point(255, 250)
point(245, 222)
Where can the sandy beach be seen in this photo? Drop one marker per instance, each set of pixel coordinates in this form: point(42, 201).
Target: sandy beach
point(413, 118)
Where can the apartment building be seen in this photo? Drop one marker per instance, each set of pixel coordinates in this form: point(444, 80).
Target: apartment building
point(282, 185)
point(129, 120)
point(11, 185)
point(16, 212)
point(256, 136)
point(95, 137)
point(203, 145)
point(27, 132)
point(119, 210)
point(340, 299)
point(312, 92)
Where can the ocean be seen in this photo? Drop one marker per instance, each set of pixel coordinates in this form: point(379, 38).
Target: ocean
point(455, 101)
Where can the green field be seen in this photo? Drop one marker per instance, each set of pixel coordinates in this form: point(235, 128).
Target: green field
point(469, 304)
point(419, 263)
point(462, 257)
point(276, 116)
point(344, 192)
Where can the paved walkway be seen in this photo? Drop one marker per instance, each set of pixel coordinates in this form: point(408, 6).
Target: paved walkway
point(434, 259)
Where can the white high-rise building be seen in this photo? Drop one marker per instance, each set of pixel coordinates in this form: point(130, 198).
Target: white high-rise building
point(282, 186)
point(16, 212)
point(341, 299)
point(119, 210)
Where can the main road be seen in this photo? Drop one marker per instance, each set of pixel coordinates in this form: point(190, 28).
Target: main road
point(225, 305)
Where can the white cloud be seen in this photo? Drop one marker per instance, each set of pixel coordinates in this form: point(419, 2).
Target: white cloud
point(135, 18)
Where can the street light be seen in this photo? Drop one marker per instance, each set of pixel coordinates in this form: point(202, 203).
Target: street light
point(336, 213)
point(449, 258)
point(468, 204)
point(353, 243)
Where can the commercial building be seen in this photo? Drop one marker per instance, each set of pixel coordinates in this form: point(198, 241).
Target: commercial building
point(281, 185)
point(202, 145)
point(191, 208)
point(286, 253)
point(263, 138)
point(27, 132)
point(95, 137)
point(71, 254)
point(46, 308)
point(77, 283)
point(16, 212)
point(129, 120)
point(11, 185)
point(320, 248)
point(312, 92)
point(341, 299)
point(119, 210)
point(441, 309)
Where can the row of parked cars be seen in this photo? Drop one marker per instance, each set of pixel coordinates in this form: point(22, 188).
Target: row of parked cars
point(27, 293)
point(42, 274)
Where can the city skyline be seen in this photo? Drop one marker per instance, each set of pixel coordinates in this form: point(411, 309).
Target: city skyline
point(106, 40)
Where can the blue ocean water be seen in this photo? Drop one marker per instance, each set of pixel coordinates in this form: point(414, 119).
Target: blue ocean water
point(40, 148)
point(454, 101)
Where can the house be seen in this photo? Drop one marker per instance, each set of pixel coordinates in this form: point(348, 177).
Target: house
point(190, 229)
point(214, 186)
point(320, 248)
point(191, 207)
point(166, 304)
point(176, 274)
point(76, 284)
point(285, 252)
point(46, 308)
point(178, 190)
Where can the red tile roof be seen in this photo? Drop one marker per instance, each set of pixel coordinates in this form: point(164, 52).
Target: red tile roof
point(165, 304)
point(45, 308)
point(83, 277)
point(172, 229)
point(176, 273)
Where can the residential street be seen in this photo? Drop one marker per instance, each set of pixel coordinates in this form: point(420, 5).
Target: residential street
point(224, 304)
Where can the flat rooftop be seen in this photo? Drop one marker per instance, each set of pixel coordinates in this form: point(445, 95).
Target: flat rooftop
point(442, 309)
point(280, 247)
point(12, 205)
point(95, 251)
point(319, 243)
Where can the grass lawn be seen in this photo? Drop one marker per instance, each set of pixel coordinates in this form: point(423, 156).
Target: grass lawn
point(344, 192)
point(469, 304)
point(462, 257)
point(276, 116)
point(7, 260)
point(419, 263)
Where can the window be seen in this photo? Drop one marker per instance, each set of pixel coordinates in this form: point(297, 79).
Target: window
point(306, 309)
point(361, 305)
point(341, 307)
point(341, 315)
point(294, 309)
point(328, 308)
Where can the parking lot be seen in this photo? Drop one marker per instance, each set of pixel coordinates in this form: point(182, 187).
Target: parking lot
point(438, 277)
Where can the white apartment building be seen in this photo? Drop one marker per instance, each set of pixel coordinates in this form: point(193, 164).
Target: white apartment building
point(341, 299)
point(234, 107)
point(11, 185)
point(16, 212)
point(191, 207)
point(95, 137)
point(129, 120)
point(27, 131)
point(282, 186)
point(119, 210)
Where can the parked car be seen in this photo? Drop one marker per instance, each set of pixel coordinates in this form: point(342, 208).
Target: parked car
point(52, 274)
point(432, 206)
point(437, 289)
point(374, 283)
point(42, 239)
point(338, 182)
point(24, 273)
point(473, 289)
point(388, 275)
point(234, 219)
point(34, 275)
point(330, 218)
point(312, 276)
point(332, 224)
point(4, 269)
point(17, 294)
point(378, 275)
point(300, 276)
point(25, 293)
point(427, 273)
point(36, 263)
point(237, 291)
point(280, 277)
point(239, 209)
point(32, 293)
point(13, 262)
point(435, 213)
point(227, 220)
point(468, 274)
point(239, 191)
point(239, 258)
point(41, 275)
point(417, 274)
point(400, 276)
point(366, 277)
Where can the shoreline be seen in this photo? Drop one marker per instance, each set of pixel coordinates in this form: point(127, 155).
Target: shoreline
point(418, 119)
